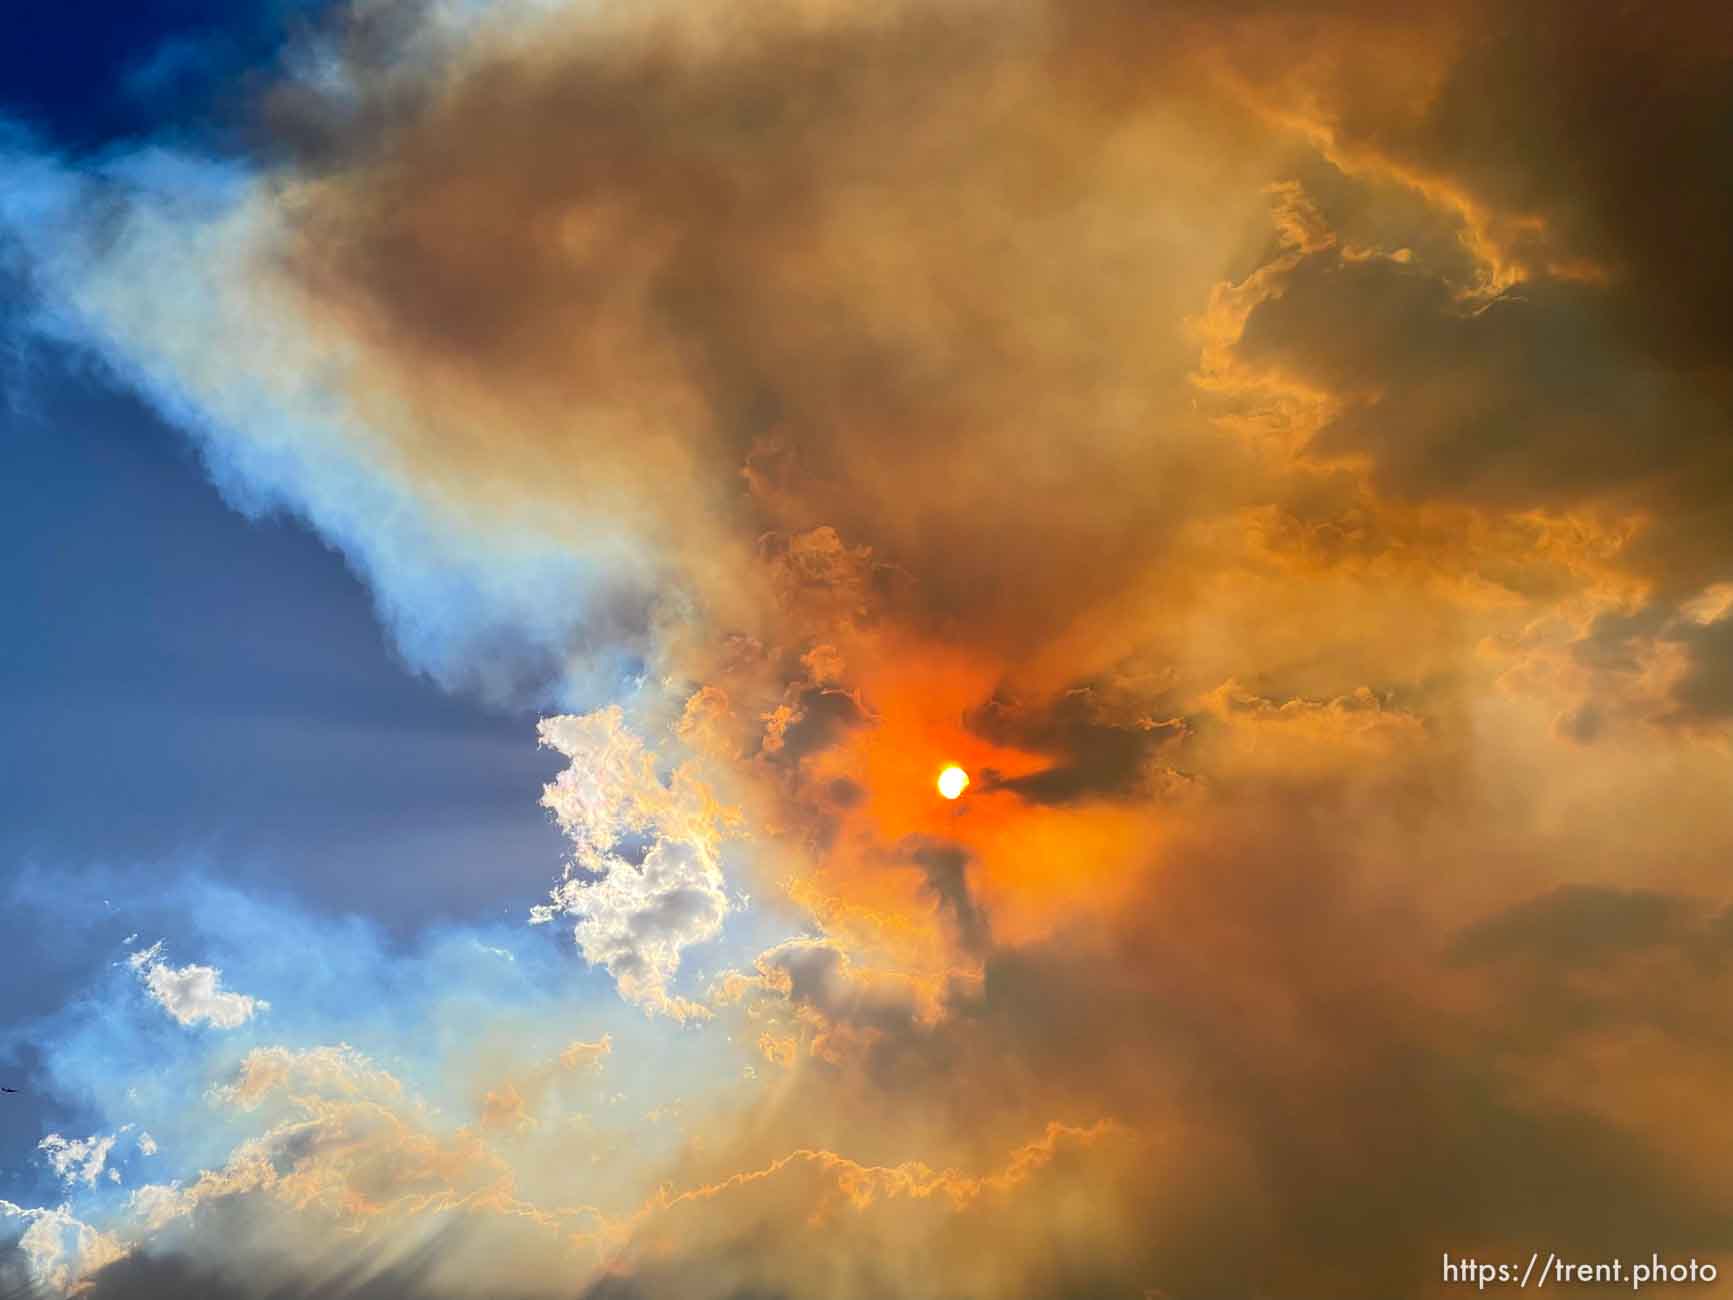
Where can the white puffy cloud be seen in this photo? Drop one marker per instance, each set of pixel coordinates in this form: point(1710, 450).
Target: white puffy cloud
point(633, 918)
point(61, 1250)
point(194, 994)
point(78, 1160)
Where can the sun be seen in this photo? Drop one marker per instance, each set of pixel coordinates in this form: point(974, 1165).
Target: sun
point(953, 781)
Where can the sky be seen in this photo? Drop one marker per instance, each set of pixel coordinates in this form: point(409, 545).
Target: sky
point(510, 507)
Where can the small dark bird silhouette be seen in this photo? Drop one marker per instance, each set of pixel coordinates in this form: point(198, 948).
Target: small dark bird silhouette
point(8, 1090)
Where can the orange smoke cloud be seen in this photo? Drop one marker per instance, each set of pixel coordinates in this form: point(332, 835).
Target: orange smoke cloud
point(1262, 448)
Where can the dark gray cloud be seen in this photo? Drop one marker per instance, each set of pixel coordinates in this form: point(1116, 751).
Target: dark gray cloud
point(947, 872)
point(168, 1275)
point(1579, 925)
point(1529, 400)
point(1099, 750)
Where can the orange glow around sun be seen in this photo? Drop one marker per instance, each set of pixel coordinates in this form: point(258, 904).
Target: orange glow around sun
point(953, 781)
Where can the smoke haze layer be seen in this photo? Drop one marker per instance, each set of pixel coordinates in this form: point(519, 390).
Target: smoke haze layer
point(1281, 453)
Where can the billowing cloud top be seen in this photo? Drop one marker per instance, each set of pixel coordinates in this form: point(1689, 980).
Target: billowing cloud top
point(1282, 453)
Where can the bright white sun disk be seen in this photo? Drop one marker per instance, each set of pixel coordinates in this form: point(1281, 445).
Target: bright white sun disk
point(952, 782)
